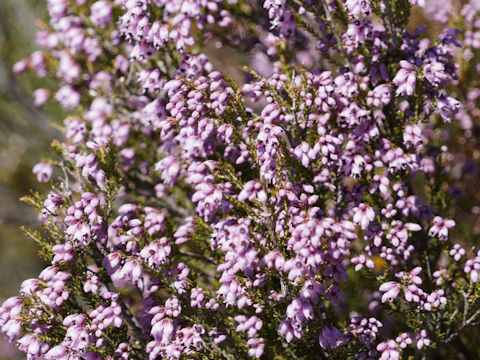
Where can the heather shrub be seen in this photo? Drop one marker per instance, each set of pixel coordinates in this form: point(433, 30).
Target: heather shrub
point(280, 179)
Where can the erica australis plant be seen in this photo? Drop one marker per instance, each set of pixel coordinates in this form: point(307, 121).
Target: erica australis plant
point(319, 204)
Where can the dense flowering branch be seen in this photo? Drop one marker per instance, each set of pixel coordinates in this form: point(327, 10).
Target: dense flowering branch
point(302, 212)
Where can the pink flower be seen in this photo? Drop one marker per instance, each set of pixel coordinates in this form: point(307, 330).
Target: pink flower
point(43, 170)
point(63, 253)
point(40, 96)
point(101, 13)
point(440, 228)
point(363, 216)
point(163, 331)
point(388, 350)
point(58, 352)
point(391, 290)
point(68, 97)
point(405, 79)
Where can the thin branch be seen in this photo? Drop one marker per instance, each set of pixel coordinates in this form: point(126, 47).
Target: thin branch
point(336, 34)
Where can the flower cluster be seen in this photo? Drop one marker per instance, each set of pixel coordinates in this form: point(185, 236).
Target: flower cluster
point(303, 209)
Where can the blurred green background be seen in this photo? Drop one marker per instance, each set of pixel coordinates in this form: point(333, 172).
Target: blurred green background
point(25, 137)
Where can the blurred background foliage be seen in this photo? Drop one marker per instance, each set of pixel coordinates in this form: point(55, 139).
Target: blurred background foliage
point(25, 136)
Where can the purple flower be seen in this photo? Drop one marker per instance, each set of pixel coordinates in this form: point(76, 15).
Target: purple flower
point(405, 79)
point(63, 253)
point(329, 337)
point(435, 73)
point(363, 216)
point(388, 350)
point(256, 347)
point(163, 331)
point(440, 228)
point(457, 252)
point(253, 191)
point(422, 339)
point(43, 170)
point(68, 97)
point(472, 267)
point(101, 13)
point(40, 96)
point(358, 7)
point(447, 107)
point(391, 290)
point(156, 253)
point(57, 353)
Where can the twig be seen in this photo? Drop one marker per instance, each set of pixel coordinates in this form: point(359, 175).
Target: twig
point(390, 22)
point(328, 14)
